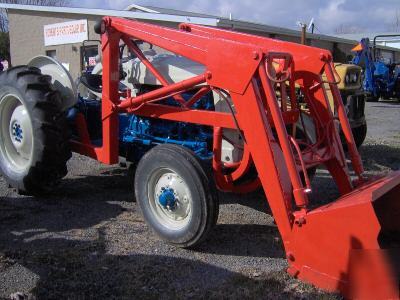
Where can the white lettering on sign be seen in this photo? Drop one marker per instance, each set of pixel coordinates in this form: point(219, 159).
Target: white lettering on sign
point(66, 33)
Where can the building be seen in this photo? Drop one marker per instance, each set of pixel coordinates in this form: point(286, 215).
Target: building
point(33, 32)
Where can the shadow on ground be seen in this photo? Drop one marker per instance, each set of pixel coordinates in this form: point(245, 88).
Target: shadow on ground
point(376, 157)
point(255, 200)
point(250, 240)
point(34, 235)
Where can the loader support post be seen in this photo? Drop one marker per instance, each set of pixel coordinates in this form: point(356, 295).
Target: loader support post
point(109, 151)
point(267, 156)
point(355, 156)
point(299, 192)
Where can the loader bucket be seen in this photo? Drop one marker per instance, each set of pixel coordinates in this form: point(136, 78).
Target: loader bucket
point(345, 245)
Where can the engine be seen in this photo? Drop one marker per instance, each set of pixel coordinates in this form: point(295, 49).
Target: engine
point(138, 134)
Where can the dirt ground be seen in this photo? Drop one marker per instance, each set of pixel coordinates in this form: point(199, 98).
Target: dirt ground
point(88, 239)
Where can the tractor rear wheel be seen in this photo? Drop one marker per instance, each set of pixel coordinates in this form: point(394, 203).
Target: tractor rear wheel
point(177, 199)
point(33, 135)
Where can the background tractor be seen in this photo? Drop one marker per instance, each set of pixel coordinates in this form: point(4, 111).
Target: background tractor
point(348, 79)
point(353, 97)
point(381, 77)
point(217, 109)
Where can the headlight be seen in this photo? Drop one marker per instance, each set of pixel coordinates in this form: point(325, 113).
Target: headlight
point(351, 78)
point(347, 79)
point(354, 78)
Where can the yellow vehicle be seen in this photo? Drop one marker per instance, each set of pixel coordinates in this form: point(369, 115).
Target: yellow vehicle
point(353, 97)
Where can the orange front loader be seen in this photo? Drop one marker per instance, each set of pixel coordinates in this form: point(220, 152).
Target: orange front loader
point(330, 245)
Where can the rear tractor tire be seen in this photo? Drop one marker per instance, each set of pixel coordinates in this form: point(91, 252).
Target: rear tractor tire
point(34, 145)
point(177, 199)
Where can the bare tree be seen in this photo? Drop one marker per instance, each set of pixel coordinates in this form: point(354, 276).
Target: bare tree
point(3, 12)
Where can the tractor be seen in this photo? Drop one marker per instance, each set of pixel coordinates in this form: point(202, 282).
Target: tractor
point(217, 110)
point(349, 75)
point(381, 77)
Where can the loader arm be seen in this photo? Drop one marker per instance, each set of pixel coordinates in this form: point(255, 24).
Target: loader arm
point(243, 67)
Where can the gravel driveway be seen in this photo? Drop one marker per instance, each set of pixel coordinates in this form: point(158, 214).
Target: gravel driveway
point(88, 239)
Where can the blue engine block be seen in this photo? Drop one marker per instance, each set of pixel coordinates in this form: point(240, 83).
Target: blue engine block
point(138, 134)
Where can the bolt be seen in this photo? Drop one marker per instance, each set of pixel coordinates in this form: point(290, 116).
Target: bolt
point(256, 55)
point(185, 27)
point(290, 256)
point(325, 57)
point(300, 221)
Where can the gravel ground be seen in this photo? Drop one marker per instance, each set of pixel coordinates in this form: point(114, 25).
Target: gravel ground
point(88, 239)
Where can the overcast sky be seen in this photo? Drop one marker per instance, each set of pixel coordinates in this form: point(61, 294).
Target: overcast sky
point(329, 15)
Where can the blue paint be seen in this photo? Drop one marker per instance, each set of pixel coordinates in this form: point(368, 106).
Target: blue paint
point(17, 132)
point(380, 78)
point(139, 134)
point(167, 198)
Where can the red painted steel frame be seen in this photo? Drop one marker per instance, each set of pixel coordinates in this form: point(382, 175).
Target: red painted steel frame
point(317, 241)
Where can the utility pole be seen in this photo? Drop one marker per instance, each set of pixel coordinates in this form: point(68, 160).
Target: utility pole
point(303, 33)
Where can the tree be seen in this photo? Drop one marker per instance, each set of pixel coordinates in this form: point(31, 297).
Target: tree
point(4, 46)
point(3, 12)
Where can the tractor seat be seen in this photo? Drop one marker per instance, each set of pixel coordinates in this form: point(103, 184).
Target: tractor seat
point(92, 82)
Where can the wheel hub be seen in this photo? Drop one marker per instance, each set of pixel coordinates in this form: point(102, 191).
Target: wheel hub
point(170, 199)
point(167, 198)
point(19, 126)
point(17, 132)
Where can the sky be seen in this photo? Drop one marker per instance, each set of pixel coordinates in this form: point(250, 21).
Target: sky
point(331, 16)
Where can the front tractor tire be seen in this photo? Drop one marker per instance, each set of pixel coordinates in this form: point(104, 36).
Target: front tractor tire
point(372, 98)
point(359, 134)
point(177, 198)
point(33, 135)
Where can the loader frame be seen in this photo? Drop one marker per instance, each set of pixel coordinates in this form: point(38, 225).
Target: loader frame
point(242, 66)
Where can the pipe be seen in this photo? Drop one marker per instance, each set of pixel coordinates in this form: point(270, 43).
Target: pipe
point(163, 92)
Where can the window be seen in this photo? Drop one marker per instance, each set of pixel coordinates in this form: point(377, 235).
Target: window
point(51, 53)
point(88, 56)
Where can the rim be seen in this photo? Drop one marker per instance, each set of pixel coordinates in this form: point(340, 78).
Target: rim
point(169, 198)
point(16, 133)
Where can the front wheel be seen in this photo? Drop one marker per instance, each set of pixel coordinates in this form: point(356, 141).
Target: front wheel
point(178, 200)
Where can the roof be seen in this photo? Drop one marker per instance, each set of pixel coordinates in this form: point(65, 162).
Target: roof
point(113, 13)
point(167, 11)
point(177, 16)
point(393, 42)
point(371, 35)
point(244, 25)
